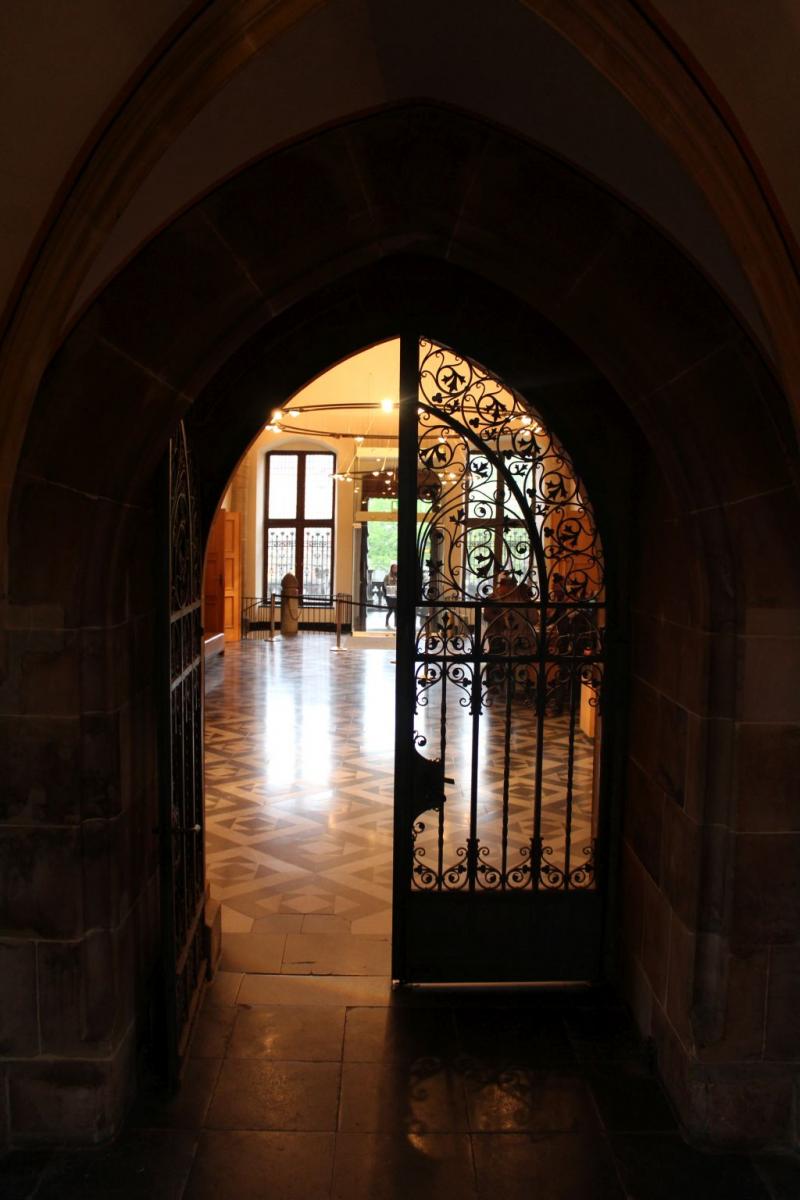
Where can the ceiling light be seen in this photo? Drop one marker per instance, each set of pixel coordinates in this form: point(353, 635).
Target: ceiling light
point(527, 420)
point(359, 437)
point(376, 472)
point(387, 405)
point(277, 414)
point(294, 412)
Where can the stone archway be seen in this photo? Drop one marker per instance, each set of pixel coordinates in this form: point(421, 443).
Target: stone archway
point(225, 313)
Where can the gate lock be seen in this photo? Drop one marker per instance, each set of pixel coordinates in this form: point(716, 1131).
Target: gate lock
point(429, 781)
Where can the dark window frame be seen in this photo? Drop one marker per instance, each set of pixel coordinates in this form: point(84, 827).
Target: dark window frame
point(300, 523)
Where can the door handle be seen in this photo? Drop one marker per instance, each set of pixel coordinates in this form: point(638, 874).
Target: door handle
point(429, 780)
point(175, 829)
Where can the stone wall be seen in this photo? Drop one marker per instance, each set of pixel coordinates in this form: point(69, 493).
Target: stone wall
point(225, 314)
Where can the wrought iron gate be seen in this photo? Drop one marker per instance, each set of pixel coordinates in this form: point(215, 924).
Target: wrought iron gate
point(501, 623)
point(181, 820)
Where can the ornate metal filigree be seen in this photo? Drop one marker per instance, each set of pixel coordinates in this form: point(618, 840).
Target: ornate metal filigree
point(510, 621)
point(183, 882)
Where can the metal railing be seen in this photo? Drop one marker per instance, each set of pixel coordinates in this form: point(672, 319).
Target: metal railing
point(261, 615)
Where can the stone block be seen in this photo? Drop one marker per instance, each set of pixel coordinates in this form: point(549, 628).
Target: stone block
point(768, 777)
point(675, 1063)
point(19, 1027)
point(631, 902)
point(671, 758)
point(680, 863)
point(702, 400)
point(766, 551)
point(101, 766)
point(714, 804)
point(766, 899)
point(40, 882)
point(681, 979)
point(69, 1100)
point(5, 1132)
point(105, 667)
point(653, 361)
point(638, 992)
point(741, 1106)
point(768, 688)
point(78, 531)
point(41, 770)
point(643, 744)
point(101, 869)
point(74, 394)
point(697, 748)
point(691, 651)
point(655, 938)
point(646, 631)
point(783, 1004)
point(51, 680)
point(77, 996)
point(188, 267)
point(744, 1009)
point(642, 819)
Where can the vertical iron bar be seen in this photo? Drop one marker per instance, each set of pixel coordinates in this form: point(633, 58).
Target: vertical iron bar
point(506, 770)
point(475, 707)
point(272, 617)
point(541, 703)
point(405, 613)
point(574, 692)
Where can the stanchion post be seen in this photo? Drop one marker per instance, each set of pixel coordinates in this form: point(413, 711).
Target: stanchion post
point(272, 617)
point(338, 602)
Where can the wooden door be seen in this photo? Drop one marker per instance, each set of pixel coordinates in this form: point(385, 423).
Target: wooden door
point(214, 581)
point(231, 573)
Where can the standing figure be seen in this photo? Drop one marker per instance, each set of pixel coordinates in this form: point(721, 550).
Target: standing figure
point(390, 594)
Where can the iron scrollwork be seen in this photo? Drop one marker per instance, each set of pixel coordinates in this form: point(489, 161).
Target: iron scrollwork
point(510, 620)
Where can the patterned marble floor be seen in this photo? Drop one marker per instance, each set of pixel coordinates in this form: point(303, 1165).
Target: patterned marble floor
point(299, 779)
point(299, 772)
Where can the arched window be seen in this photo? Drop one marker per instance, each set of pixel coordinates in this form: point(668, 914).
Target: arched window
point(298, 520)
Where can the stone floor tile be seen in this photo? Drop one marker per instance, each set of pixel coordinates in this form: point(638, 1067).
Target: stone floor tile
point(527, 1035)
point(223, 989)
point(234, 921)
point(396, 1097)
point(393, 1166)
point(305, 989)
point(781, 1174)
point(377, 924)
point(254, 1094)
point(213, 1031)
point(380, 1034)
point(250, 1165)
point(335, 954)
point(604, 1033)
point(517, 1099)
point(304, 1033)
point(260, 952)
point(140, 1165)
point(556, 1166)
point(279, 923)
point(325, 923)
point(629, 1098)
point(186, 1108)
point(664, 1167)
point(20, 1171)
